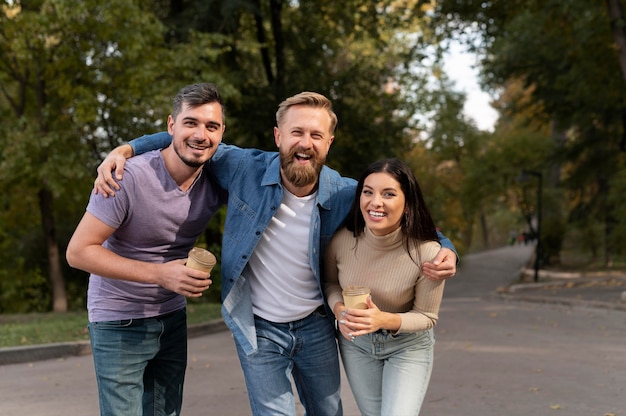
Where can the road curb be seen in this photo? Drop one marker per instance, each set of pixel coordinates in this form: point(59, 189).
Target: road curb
point(562, 280)
point(563, 301)
point(515, 292)
point(32, 353)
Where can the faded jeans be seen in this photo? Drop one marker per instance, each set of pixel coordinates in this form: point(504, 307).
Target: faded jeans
point(388, 373)
point(140, 364)
point(305, 349)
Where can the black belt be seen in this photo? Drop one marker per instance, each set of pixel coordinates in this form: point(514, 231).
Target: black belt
point(320, 309)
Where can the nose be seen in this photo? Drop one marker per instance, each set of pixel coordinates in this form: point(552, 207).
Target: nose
point(306, 140)
point(201, 132)
point(376, 200)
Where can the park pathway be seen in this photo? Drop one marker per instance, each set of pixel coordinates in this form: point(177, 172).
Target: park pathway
point(493, 357)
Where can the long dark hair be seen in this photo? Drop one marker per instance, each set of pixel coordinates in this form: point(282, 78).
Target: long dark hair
point(417, 224)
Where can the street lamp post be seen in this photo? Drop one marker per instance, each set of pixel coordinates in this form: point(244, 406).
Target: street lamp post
point(539, 191)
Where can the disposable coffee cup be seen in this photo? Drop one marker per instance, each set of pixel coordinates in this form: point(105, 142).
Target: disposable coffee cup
point(201, 259)
point(355, 297)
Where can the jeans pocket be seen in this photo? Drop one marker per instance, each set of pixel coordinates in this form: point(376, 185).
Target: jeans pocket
point(122, 323)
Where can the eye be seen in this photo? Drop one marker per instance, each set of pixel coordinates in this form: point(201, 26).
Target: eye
point(366, 192)
point(389, 194)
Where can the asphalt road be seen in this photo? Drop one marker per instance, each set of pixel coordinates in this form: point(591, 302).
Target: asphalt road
point(493, 357)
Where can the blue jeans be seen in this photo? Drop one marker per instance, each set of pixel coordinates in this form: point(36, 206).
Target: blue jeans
point(306, 350)
point(389, 374)
point(140, 364)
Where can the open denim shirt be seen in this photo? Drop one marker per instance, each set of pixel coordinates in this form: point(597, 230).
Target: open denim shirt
point(252, 179)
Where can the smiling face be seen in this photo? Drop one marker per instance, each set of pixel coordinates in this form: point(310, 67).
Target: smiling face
point(382, 203)
point(303, 139)
point(196, 132)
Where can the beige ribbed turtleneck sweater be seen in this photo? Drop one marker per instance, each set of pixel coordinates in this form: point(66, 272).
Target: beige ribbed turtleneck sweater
point(381, 263)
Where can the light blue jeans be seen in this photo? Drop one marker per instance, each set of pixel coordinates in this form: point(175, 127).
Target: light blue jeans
point(140, 364)
point(389, 374)
point(306, 350)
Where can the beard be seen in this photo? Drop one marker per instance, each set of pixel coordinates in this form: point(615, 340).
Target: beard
point(301, 175)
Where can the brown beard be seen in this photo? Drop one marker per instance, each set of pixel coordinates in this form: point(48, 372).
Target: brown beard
point(298, 175)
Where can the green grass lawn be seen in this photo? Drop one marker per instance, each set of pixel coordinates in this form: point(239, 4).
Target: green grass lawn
point(44, 328)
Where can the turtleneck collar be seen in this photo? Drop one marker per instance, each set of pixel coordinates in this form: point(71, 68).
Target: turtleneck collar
point(388, 241)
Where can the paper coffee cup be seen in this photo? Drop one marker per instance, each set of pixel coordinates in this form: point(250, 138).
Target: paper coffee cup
point(355, 297)
point(201, 259)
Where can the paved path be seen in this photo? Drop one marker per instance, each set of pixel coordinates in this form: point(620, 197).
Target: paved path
point(493, 357)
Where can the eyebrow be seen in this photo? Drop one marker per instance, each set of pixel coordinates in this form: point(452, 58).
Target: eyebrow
point(211, 123)
point(384, 189)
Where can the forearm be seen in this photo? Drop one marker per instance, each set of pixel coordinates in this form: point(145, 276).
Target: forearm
point(426, 305)
point(124, 150)
point(332, 291)
point(98, 260)
point(149, 142)
point(391, 321)
point(415, 321)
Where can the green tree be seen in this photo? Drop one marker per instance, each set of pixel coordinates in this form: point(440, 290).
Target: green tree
point(367, 56)
point(76, 79)
point(567, 56)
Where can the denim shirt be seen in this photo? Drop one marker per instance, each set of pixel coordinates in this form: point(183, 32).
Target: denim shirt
point(252, 179)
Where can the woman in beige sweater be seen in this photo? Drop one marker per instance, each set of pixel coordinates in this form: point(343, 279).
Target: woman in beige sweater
point(386, 349)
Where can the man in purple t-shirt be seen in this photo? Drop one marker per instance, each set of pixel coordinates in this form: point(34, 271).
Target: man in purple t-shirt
point(134, 247)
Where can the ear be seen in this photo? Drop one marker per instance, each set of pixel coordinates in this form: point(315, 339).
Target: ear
point(277, 137)
point(170, 125)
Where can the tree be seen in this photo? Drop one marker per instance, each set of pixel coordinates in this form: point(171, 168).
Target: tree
point(568, 59)
point(77, 78)
point(366, 56)
point(82, 77)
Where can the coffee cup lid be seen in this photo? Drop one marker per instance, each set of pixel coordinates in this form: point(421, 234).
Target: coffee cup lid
point(202, 256)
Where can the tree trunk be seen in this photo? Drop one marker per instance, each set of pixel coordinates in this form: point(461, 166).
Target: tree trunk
point(467, 233)
point(262, 39)
point(276, 9)
point(616, 14)
point(59, 295)
point(484, 229)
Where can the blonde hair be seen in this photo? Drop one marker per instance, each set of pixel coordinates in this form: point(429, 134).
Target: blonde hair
point(311, 99)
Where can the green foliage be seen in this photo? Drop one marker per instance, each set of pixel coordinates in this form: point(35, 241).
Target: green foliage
point(36, 328)
point(559, 66)
point(43, 328)
point(78, 78)
point(23, 289)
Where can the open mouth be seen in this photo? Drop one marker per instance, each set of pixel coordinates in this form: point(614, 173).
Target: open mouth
point(198, 146)
point(302, 156)
point(376, 214)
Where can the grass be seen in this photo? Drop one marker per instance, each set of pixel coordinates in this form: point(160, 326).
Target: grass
point(43, 328)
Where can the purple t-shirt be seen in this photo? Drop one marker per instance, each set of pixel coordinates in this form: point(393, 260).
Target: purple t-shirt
point(155, 221)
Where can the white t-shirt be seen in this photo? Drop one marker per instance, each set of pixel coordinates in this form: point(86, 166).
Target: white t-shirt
point(284, 288)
